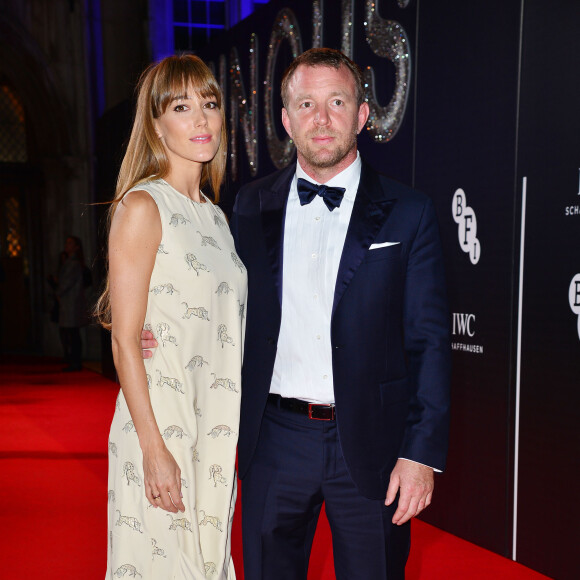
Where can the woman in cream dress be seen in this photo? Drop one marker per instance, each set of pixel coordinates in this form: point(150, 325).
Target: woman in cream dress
point(173, 270)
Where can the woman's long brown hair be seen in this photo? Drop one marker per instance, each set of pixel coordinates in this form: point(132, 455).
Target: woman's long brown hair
point(145, 158)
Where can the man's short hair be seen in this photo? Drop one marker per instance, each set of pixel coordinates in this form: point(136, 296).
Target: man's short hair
point(328, 57)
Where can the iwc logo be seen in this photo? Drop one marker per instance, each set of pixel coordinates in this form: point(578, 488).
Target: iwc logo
point(574, 298)
point(463, 327)
point(465, 218)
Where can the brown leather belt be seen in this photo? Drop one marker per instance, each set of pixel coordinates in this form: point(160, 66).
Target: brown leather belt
point(311, 410)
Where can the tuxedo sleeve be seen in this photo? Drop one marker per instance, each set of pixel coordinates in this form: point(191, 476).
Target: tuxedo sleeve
point(427, 346)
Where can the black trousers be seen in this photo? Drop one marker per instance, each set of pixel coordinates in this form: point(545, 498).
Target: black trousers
point(298, 464)
point(72, 345)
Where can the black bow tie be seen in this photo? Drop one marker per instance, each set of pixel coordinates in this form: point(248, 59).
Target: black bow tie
point(307, 191)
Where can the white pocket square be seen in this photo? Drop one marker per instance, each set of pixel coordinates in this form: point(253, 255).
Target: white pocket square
point(382, 245)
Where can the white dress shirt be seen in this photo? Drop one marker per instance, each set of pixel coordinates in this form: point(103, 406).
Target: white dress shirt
point(313, 243)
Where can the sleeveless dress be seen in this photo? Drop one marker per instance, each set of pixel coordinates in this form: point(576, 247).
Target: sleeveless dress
point(196, 311)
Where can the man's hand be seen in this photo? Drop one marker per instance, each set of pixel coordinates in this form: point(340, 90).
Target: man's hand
point(147, 341)
point(415, 482)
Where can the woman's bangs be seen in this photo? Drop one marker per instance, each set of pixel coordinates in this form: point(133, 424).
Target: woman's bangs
point(180, 81)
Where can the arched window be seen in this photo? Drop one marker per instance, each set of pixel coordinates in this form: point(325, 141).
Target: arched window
point(194, 22)
point(12, 150)
point(12, 126)
point(12, 227)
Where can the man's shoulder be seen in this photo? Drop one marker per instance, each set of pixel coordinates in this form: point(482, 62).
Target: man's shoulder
point(271, 181)
point(395, 189)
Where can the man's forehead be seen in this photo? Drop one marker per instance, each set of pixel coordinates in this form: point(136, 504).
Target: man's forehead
point(317, 75)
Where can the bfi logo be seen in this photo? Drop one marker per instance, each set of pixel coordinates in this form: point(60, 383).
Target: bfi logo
point(463, 324)
point(464, 217)
point(574, 298)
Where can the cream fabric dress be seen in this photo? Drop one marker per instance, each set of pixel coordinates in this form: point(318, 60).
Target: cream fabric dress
point(196, 311)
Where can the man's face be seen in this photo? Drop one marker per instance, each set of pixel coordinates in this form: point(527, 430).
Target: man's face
point(322, 117)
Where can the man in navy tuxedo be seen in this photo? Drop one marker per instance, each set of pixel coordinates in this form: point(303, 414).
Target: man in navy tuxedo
point(347, 358)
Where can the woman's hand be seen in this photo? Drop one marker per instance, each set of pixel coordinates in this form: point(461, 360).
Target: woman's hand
point(162, 479)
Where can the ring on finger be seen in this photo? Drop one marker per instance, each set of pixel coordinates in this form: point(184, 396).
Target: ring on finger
point(156, 496)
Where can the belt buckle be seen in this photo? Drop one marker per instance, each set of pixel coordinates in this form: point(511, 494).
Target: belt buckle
point(312, 405)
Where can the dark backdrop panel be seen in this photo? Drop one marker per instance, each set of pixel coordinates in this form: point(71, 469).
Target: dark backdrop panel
point(549, 157)
point(467, 65)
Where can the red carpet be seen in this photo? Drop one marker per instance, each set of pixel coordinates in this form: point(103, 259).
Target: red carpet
point(53, 474)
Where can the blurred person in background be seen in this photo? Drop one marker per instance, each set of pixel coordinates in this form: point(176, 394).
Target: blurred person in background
point(72, 305)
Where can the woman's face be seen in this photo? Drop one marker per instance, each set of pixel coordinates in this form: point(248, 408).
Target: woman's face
point(190, 129)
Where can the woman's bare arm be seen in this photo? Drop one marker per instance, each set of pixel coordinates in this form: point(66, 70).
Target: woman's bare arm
point(133, 241)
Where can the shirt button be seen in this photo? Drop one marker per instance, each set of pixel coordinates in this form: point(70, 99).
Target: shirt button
point(318, 337)
point(317, 218)
point(315, 296)
point(314, 256)
point(324, 376)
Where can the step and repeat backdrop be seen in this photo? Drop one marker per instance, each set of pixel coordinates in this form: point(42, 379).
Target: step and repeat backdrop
point(477, 104)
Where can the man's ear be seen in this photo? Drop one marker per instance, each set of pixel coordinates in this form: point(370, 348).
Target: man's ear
point(286, 122)
point(363, 115)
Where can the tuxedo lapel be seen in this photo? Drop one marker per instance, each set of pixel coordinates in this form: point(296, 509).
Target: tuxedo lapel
point(272, 212)
point(371, 209)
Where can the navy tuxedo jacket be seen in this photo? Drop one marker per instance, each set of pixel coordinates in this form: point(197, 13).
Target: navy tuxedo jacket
point(389, 327)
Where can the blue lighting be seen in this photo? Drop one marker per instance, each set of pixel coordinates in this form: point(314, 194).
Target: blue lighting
point(179, 25)
point(195, 25)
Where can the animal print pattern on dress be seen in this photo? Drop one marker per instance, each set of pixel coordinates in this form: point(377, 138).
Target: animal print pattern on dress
point(215, 474)
point(208, 240)
point(129, 521)
point(171, 382)
point(223, 336)
point(196, 361)
point(182, 523)
point(211, 520)
point(129, 474)
point(223, 288)
point(177, 219)
point(157, 551)
point(194, 264)
point(174, 430)
point(221, 430)
point(219, 221)
point(167, 287)
point(164, 334)
point(127, 569)
point(224, 383)
point(236, 260)
point(197, 311)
